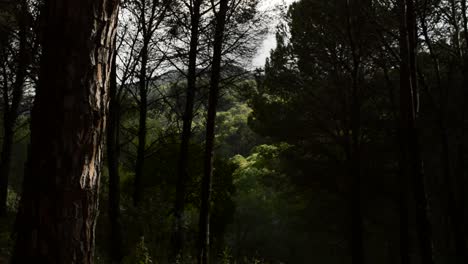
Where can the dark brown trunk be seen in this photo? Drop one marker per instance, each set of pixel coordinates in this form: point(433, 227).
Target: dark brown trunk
point(403, 204)
point(10, 115)
point(354, 156)
point(357, 243)
point(59, 205)
point(460, 180)
point(182, 165)
point(204, 220)
point(402, 180)
point(405, 87)
point(113, 125)
point(5, 161)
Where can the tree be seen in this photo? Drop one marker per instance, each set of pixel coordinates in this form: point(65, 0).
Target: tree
point(182, 165)
point(149, 16)
point(113, 143)
point(12, 97)
point(410, 152)
point(242, 30)
point(329, 60)
point(204, 222)
point(59, 205)
point(441, 108)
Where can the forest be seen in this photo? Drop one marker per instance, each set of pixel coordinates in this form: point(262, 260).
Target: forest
point(142, 132)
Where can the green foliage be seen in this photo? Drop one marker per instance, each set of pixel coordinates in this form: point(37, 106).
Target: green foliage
point(233, 133)
point(275, 213)
point(12, 200)
point(141, 254)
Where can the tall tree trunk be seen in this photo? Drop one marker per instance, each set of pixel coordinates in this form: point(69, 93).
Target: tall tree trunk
point(148, 28)
point(402, 180)
point(354, 156)
point(113, 167)
point(409, 135)
point(10, 115)
point(460, 180)
point(405, 87)
point(142, 130)
point(204, 220)
point(455, 215)
point(182, 165)
point(5, 160)
point(59, 205)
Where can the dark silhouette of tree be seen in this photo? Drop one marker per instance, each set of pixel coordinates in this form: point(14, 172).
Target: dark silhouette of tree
point(12, 97)
point(59, 205)
point(150, 15)
point(455, 215)
point(113, 143)
point(204, 219)
point(411, 156)
point(182, 165)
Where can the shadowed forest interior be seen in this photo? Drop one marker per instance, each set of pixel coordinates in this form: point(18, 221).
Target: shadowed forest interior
point(142, 131)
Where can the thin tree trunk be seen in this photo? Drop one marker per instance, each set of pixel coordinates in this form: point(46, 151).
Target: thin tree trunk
point(5, 161)
point(113, 167)
point(405, 101)
point(182, 165)
point(456, 219)
point(11, 111)
point(461, 172)
point(204, 220)
point(354, 159)
point(148, 29)
point(402, 181)
point(142, 130)
point(410, 138)
point(403, 202)
point(59, 205)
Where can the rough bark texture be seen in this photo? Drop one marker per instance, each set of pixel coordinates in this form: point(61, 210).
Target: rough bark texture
point(10, 114)
point(182, 165)
point(59, 206)
point(204, 222)
point(115, 243)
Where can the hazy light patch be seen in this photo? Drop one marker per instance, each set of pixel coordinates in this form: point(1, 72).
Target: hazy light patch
point(270, 41)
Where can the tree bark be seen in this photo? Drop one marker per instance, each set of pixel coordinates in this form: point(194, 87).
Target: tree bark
point(113, 167)
point(182, 165)
point(59, 205)
point(10, 114)
point(204, 220)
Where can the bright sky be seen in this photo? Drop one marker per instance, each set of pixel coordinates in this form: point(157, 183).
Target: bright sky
point(270, 42)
